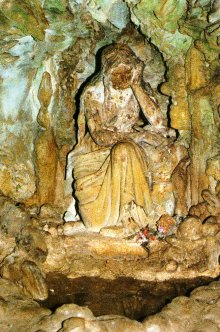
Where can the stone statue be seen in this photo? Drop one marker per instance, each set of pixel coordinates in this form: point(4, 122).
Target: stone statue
point(112, 179)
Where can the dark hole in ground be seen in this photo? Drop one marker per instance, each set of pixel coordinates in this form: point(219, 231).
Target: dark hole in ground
point(132, 298)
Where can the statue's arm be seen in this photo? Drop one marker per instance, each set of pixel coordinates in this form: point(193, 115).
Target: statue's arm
point(101, 135)
point(105, 137)
point(149, 107)
point(152, 112)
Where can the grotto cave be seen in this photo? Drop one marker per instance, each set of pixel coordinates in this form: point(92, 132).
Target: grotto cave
point(109, 165)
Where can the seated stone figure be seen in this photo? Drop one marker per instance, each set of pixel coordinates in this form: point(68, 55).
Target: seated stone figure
point(110, 159)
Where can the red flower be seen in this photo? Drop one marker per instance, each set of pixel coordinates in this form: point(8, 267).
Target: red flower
point(146, 232)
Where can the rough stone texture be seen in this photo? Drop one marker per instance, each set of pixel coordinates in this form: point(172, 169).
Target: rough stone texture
point(89, 269)
point(195, 251)
point(33, 281)
point(180, 178)
point(47, 52)
point(59, 268)
point(57, 53)
point(199, 312)
point(7, 245)
point(65, 54)
point(63, 49)
point(13, 218)
point(56, 262)
point(46, 166)
point(14, 305)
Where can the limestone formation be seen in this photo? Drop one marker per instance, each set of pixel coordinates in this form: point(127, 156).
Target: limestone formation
point(200, 312)
point(33, 281)
point(180, 177)
point(109, 165)
point(45, 146)
point(184, 314)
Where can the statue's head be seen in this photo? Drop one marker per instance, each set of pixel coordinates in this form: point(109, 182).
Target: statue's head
point(119, 63)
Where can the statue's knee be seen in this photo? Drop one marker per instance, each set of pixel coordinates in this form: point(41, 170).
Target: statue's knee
point(122, 149)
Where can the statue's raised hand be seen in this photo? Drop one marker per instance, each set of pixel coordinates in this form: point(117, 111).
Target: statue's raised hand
point(137, 74)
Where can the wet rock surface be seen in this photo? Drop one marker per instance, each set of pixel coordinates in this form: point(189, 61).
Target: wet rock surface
point(18, 312)
point(184, 313)
point(48, 50)
point(123, 296)
point(199, 312)
point(176, 44)
point(108, 275)
point(65, 268)
point(13, 218)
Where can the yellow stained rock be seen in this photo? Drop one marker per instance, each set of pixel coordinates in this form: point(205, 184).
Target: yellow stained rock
point(180, 117)
point(46, 166)
point(197, 73)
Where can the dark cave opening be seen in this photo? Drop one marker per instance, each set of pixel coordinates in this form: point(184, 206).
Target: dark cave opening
point(135, 299)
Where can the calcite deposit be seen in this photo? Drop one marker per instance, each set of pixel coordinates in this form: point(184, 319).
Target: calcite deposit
point(109, 165)
point(199, 312)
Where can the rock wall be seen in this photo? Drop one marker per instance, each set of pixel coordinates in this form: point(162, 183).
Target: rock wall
point(48, 51)
point(199, 312)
